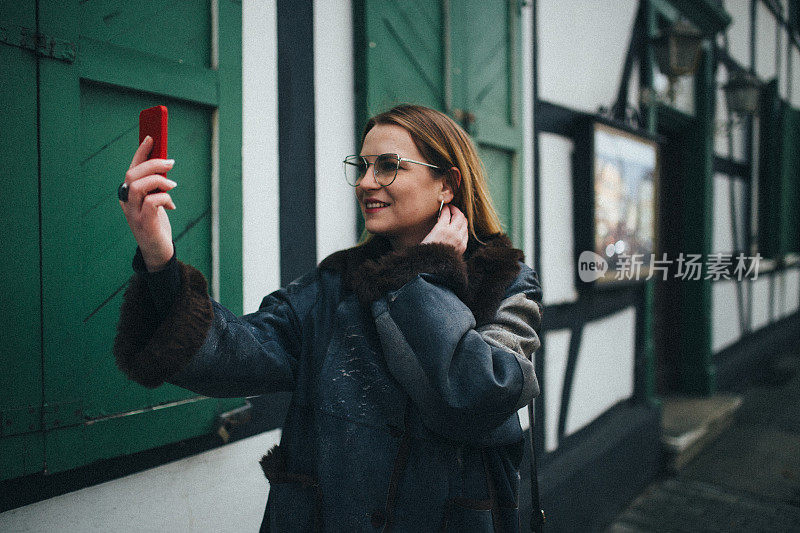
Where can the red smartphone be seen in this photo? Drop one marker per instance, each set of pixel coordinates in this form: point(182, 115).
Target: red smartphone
point(153, 122)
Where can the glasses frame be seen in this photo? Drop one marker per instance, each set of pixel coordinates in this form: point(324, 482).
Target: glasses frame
point(374, 172)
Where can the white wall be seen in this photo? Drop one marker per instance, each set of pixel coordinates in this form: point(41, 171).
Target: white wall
point(527, 133)
point(555, 365)
point(721, 125)
point(761, 302)
point(795, 96)
point(783, 85)
point(604, 374)
point(335, 128)
point(220, 490)
point(261, 237)
point(792, 291)
point(739, 30)
point(582, 49)
point(786, 293)
point(725, 323)
point(555, 182)
point(722, 228)
point(779, 297)
point(765, 42)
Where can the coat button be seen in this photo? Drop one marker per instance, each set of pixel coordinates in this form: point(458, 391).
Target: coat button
point(378, 519)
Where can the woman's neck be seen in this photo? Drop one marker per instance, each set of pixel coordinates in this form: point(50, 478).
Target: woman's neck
point(401, 243)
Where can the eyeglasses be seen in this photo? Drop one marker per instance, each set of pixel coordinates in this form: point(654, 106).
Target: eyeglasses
point(384, 168)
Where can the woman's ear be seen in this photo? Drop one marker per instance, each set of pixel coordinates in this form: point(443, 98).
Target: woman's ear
point(455, 176)
point(451, 184)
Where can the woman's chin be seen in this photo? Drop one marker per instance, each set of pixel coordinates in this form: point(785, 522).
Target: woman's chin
point(375, 227)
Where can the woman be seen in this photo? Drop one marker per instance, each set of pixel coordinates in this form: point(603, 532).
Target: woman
point(408, 355)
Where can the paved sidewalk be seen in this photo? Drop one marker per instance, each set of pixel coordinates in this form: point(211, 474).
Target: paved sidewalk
point(747, 480)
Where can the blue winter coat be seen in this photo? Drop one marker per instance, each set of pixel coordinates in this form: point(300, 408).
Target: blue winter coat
point(407, 371)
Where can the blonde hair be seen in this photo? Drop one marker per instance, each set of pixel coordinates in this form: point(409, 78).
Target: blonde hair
point(445, 144)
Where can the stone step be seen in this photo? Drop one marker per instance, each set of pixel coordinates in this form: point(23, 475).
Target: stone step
point(689, 424)
point(687, 505)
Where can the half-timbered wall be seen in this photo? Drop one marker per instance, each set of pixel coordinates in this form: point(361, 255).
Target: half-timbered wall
point(260, 223)
point(578, 69)
point(756, 39)
point(592, 359)
point(335, 115)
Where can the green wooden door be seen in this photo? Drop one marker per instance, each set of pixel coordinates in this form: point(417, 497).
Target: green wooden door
point(460, 57)
point(486, 81)
point(21, 442)
point(778, 173)
point(790, 181)
point(129, 56)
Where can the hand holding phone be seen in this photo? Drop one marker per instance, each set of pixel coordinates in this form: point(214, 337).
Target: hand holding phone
point(148, 187)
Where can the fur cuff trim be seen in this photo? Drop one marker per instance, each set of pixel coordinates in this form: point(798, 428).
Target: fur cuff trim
point(274, 466)
point(150, 352)
point(376, 277)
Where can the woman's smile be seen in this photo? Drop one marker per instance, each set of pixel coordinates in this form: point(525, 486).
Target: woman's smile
point(372, 205)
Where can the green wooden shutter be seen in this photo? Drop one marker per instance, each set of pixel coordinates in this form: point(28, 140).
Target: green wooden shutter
point(487, 84)
point(130, 55)
point(768, 171)
point(790, 181)
point(779, 175)
point(404, 60)
point(462, 58)
point(21, 442)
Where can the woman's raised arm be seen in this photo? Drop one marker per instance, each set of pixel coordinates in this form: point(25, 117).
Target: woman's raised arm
point(170, 330)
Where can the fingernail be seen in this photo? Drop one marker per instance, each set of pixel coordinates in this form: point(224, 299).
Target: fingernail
point(170, 162)
point(172, 183)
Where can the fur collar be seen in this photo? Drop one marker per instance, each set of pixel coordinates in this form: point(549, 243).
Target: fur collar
point(479, 278)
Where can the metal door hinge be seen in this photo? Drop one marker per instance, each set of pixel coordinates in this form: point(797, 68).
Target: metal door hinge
point(228, 421)
point(63, 414)
point(20, 420)
point(32, 418)
point(466, 119)
point(43, 45)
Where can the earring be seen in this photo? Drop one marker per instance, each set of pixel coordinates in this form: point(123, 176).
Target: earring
point(440, 209)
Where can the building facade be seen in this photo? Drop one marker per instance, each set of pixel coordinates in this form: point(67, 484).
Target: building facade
point(265, 100)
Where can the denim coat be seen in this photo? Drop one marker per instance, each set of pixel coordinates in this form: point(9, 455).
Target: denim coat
point(407, 371)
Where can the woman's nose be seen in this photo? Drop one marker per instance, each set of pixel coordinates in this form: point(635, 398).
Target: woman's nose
point(369, 181)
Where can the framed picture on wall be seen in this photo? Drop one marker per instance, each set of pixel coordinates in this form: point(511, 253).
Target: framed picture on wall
point(615, 203)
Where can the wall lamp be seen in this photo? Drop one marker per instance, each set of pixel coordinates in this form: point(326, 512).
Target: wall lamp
point(677, 49)
point(742, 92)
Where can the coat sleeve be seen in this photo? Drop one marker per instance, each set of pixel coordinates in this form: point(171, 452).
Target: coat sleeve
point(464, 380)
point(202, 346)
